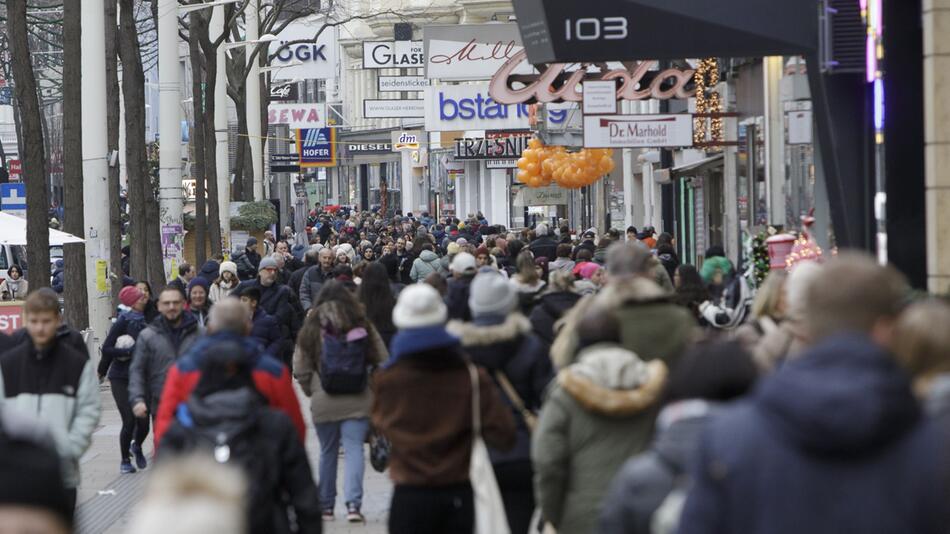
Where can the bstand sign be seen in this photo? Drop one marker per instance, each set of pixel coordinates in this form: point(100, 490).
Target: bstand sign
point(469, 107)
point(638, 131)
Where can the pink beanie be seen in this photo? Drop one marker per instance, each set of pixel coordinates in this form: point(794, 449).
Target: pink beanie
point(130, 295)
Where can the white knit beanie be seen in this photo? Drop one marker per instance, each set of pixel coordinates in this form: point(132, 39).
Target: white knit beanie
point(419, 306)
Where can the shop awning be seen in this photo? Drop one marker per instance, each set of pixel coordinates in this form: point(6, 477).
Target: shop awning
point(697, 166)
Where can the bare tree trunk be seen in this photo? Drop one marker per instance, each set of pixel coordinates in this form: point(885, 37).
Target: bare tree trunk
point(153, 238)
point(210, 54)
point(112, 125)
point(133, 92)
point(242, 170)
point(34, 161)
point(198, 144)
point(74, 256)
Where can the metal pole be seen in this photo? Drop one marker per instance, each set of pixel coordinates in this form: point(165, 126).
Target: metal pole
point(253, 101)
point(171, 201)
point(95, 168)
point(216, 27)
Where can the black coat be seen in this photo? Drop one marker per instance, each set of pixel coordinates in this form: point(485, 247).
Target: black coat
point(264, 444)
point(267, 332)
point(550, 308)
point(456, 297)
point(544, 247)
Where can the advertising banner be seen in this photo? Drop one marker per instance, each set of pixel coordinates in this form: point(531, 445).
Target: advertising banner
point(297, 116)
point(470, 51)
point(285, 162)
point(544, 196)
point(307, 60)
point(469, 107)
point(392, 84)
point(638, 131)
point(11, 317)
point(317, 147)
point(494, 146)
point(392, 54)
point(393, 109)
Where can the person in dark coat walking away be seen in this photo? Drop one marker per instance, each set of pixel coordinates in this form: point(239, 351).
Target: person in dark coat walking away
point(117, 352)
point(265, 329)
point(226, 417)
point(277, 301)
point(835, 440)
point(923, 350)
point(545, 246)
point(157, 348)
point(499, 339)
point(311, 258)
point(423, 404)
point(459, 286)
point(375, 292)
point(648, 493)
point(552, 305)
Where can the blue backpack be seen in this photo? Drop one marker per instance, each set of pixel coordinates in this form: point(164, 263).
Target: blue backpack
point(343, 367)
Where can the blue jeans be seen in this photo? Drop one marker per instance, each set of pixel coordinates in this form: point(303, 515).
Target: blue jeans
point(353, 433)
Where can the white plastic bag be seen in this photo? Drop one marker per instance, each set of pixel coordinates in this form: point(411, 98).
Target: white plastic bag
point(490, 515)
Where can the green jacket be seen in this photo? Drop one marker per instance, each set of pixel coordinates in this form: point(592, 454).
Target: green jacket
point(600, 413)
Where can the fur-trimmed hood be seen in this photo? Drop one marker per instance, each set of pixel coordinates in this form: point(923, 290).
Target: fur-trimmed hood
point(479, 335)
point(612, 381)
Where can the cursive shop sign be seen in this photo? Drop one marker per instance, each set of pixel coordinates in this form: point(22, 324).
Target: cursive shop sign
point(557, 85)
point(471, 51)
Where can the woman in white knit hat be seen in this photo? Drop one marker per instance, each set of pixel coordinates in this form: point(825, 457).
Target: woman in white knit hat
point(226, 282)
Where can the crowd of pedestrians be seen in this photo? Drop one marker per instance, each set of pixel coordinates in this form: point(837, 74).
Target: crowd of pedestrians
point(616, 389)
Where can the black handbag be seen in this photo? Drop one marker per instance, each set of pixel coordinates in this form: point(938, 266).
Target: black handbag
point(379, 450)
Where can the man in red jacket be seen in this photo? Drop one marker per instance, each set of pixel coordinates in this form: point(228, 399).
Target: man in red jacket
point(229, 322)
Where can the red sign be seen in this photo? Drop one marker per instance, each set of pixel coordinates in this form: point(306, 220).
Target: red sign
point(11, 316)
point(15, 167)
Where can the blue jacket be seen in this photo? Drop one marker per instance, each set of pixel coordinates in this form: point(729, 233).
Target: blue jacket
point(266, 331)
point(834, 442)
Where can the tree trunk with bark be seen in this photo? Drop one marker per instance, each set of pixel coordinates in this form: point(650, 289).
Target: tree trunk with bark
point(210, 54)
point(32, 156)
point(198, 143)
point(112, 139)
point(74, 255)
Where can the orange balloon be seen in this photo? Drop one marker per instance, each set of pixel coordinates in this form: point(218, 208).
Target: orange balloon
point(532, 168)
point(535, 143)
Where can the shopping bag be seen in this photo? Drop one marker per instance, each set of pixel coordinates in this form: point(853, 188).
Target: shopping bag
point(490, 515)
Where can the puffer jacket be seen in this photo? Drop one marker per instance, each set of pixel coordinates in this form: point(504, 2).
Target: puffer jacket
point(115, 361)
point(600, 414)
point(426, 264)
point(263, 444)
point(58, 387)
point(156, 349)
point(647, 479)
point(507, 345)
point(323, 406)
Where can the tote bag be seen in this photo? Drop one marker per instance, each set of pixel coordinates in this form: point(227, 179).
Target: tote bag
point(490, 515)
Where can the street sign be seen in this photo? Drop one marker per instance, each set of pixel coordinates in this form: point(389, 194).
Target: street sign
point(316, 147)
point(12, 197)
point(285, 162)
point(15, 168)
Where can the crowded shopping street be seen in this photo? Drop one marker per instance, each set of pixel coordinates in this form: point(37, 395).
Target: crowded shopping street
point(474, 267)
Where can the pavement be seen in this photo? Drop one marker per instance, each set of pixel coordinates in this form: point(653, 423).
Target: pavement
point(107, 499)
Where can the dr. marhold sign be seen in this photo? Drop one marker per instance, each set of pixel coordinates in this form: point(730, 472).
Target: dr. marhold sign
point(632, 131)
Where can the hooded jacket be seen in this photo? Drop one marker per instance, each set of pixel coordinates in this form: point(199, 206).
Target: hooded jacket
point(116, 361)
point(57, 386)
point(262, 443)
point(544, 247)
point(600, 413)
point(427, 263)
point(648, 478)
point(833, 442)
point(156, 349)
point(549, 310)
point(509, 347)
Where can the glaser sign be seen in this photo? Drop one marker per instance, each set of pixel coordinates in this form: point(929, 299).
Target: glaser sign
point(546, 87)
point(390, 54)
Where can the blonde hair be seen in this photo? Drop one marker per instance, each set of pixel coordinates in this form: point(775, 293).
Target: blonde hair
point(192, 495)
point(922, 339)
point(769, 295)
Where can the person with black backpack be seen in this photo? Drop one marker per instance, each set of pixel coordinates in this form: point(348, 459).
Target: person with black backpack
point(337, 349)
point(228, 419)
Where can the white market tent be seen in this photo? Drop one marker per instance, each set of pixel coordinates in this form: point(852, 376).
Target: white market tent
point(13, 232)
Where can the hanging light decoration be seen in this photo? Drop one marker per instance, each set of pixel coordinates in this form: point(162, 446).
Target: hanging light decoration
point(708, 101)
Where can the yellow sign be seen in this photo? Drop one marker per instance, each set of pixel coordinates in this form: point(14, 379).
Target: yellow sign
point(102, 276)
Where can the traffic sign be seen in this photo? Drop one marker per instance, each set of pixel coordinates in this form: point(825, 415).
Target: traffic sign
point(16, 168)
point(12, 197)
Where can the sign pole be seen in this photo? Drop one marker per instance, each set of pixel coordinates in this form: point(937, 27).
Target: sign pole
point(170, 196)
point(253, 100)
point(221, 131)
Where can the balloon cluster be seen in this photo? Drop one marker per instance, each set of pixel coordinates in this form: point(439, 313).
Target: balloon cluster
point(540, 165)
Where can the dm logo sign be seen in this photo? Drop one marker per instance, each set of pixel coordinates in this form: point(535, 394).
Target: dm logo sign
point(317, 147)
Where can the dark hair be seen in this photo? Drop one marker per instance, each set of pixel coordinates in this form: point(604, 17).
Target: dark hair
point(183, 269)
point(692, 291)
point(605, 242)
point(564, 250)
point(514, 247)
point(632, 229)
point(16, 268)
point(42, 300)
point(665, 248)
point(664, 239)
point(342, 270)
point(583, 255)
point(252, 293)
point(428, 246)
point(377, 296)
point(437, 281)
point(598, 325)
point(712, 370)
point(347, 311)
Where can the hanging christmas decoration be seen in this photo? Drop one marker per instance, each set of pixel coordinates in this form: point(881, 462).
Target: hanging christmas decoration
point(541, 165)
point(805, 247)
point(708, 101)
point(757, 251)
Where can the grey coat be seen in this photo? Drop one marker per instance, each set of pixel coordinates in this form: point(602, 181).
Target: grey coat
point(426, 264)
point(154, 355)
point(310, 286)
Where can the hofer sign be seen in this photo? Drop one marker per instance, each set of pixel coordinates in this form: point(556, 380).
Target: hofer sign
point(638, 131)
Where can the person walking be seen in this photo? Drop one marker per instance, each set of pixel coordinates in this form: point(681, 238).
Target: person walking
point(691, 293)
point(157, 348)
point(226, 416)
point(264, 329)
point(554, 302)
point(198, 303)
point(767, 313)
point(427, 263)
point(423, 404)
point(545, 246)
point(117, 352)
point(229, 324)
point(47, 380)
point(838, 427)
point(14, 287)
point(459, 286)
point(277, 301)
point(375, 292)
point(226, 282)
point(186, 273)
point(646, 496)
point(499, 339)
point(600, 413)
point(527, 283)
point(315, 277)
point(336, 350)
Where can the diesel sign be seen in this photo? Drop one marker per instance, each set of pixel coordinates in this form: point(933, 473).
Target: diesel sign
point(368, 148)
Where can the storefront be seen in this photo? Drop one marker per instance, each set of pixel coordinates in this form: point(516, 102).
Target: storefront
point(367, 165)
